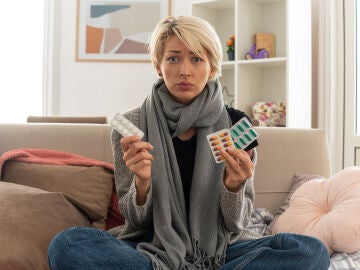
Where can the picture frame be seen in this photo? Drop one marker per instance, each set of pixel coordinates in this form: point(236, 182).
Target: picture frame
point(117, 30)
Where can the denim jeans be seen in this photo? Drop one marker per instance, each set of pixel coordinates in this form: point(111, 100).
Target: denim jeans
point(83, 248)
point(278, 252)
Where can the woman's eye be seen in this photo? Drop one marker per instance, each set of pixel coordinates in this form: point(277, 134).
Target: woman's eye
point(196, 59)
point(173, 59)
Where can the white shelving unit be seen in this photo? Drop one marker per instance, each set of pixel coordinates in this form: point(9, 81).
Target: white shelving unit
point(285, 77)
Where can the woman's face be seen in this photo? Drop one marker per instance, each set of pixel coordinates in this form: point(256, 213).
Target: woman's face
point(185, 74)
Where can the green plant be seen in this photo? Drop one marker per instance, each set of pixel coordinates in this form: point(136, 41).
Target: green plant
point(230, 44)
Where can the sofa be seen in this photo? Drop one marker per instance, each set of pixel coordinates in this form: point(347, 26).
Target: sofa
point(35, 197)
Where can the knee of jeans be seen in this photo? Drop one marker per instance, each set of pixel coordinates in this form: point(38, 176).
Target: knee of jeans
point(318, 254)
point(56, 248)
point(62, 241)
point(321, 254)
point(58, 243)
point(311, 248)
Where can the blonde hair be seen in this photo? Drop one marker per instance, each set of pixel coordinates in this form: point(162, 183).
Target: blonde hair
point(194, 32)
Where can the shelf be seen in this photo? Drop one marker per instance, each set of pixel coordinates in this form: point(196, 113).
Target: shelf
point(266, 1)
point(266, 62)
point(216, 4)
point(285, 77)
point(228, 65)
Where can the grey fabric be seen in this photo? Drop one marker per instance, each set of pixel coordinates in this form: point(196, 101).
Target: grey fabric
point(203, 238)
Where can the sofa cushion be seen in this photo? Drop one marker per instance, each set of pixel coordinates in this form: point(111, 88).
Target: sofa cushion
point(298, 180)
point(326, 209)
point(91, 187)
point(30, 218)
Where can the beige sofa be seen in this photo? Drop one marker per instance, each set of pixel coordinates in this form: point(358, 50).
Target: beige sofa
point(281, 153)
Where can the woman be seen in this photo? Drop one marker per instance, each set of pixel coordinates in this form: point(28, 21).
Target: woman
point(183, 210)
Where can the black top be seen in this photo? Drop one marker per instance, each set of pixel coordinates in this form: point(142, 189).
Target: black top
point(185, 154)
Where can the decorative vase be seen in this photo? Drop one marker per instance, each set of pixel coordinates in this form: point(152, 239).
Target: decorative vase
point(231, 55)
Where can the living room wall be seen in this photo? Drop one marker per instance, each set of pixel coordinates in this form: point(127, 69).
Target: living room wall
point(74, 88)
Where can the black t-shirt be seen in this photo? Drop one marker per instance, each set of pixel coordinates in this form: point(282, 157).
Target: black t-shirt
point(185, 154)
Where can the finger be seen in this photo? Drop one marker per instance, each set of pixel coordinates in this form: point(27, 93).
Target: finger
point(127, 141)
point(239, 155)
point(235, 156)
point(229, 158)
point(139, 162)
point(239, 161)
point(136, 148)
point(140, 157)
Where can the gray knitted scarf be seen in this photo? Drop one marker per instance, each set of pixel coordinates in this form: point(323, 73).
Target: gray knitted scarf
point(180, 242)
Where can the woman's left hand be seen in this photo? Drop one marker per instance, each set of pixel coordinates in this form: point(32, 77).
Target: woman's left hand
point(239, 168)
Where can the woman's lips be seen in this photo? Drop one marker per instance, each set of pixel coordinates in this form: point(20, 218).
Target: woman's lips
point(184, 85)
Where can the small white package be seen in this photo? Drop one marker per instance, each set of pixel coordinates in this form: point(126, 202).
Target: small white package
point(125, 127)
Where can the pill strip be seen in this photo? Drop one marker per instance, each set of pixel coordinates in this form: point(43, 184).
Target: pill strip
point(240, 135)
point(219, 140)
point(243, 133)
point(125, 127)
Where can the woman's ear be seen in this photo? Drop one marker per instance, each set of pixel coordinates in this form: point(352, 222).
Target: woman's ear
point(158, 70)
point(212, 74)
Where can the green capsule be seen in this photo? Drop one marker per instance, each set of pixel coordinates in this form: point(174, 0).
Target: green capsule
point(235, 133)
point(252, 132)
point(240, 128)
point(237, 145)
point(246, 124)
point(242, 141)
point(248, 137)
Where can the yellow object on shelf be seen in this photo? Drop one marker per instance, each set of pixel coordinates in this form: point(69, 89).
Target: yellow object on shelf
point(265, 41)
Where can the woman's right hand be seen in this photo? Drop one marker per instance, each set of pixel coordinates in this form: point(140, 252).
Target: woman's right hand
point(138, 159)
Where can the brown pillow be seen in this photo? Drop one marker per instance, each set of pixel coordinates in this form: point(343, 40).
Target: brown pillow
point(90, 188)
point(30, 218)
point(298, 180)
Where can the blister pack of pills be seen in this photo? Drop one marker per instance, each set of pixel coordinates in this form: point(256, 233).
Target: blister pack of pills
point(243, 133)
point(239, 135)
point(219, 140)
point(125, 127)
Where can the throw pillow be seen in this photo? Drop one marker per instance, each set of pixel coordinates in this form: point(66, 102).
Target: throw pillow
point(298, 180)
point(30, 218)
point(326, 209)
point(90, 188)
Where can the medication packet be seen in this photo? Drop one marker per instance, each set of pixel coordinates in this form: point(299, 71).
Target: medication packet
point(243, 133)
point(239, 135)
point(219, 140)
point(125, 127)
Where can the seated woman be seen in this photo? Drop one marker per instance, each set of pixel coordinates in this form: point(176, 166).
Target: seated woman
point(182, 209)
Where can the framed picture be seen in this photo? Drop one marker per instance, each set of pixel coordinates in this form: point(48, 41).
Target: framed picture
point(117, 30)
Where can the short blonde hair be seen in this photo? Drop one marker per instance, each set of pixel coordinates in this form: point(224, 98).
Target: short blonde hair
point(194, 32)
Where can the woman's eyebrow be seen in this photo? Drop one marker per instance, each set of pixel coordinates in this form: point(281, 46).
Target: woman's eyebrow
point(173, 51)
point(179, 51)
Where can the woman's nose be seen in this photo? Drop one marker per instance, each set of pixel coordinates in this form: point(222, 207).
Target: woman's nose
point(185, 68)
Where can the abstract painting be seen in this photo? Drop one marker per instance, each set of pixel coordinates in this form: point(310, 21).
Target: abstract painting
point(117, 30)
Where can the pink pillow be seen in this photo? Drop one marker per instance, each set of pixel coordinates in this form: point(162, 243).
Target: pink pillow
point(327, 209)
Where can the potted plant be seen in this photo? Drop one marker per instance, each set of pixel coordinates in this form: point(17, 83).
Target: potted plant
point(230, 44)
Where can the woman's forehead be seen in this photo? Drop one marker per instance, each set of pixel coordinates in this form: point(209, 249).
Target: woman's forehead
point(174, 44)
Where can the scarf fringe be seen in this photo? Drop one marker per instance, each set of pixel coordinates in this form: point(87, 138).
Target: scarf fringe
point(202, 260)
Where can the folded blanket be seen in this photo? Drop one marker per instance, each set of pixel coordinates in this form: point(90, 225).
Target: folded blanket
point(50, 157)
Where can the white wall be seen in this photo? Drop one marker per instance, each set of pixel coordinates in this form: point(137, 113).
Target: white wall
point(75, 88)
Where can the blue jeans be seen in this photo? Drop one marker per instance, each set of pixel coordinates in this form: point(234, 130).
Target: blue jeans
point(86, 248)
point(279, 252)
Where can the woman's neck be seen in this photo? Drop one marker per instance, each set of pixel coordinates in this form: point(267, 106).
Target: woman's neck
point(187, 135)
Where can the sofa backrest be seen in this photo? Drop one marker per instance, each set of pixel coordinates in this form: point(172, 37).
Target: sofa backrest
point(281, 151)
point(90, 140)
